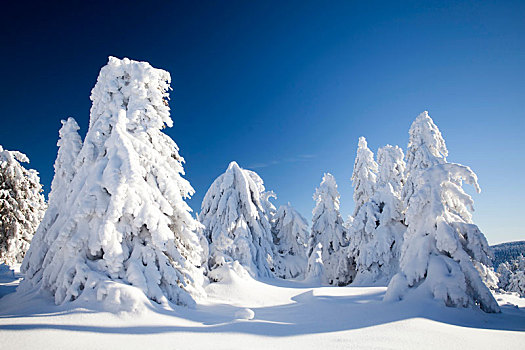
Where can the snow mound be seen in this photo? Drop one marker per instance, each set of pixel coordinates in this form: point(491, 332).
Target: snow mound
point(245, 314)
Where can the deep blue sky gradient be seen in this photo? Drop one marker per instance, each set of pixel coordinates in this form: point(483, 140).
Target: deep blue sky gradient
point(286, 87)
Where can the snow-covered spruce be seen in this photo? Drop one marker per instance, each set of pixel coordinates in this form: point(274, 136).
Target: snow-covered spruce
point(290, 236)
point(441, 246)
point(364, 175)
point(69, 145)
point(377, 230)
point(236, 214)
point(124, 230)
point(328, 229)
point(517, 283)
point(22, 206)
point(512, 276)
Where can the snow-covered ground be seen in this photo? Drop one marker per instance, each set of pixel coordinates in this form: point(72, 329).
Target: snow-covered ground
point(242, 313)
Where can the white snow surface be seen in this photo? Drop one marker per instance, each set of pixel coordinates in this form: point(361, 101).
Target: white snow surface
point(244, 313)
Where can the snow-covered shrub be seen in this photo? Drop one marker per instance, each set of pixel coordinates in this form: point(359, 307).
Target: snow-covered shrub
point(290, 232)
point(377, 230)
point(123, 228)
point(441, 246)
point(328, 229)
point(69, 145)
point(236, 215)
point(22, 206)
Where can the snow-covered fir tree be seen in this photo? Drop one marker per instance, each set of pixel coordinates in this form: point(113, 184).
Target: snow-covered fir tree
point(366, 212)
point(511, 275)
point(364, 175)
point(69, 145)
point(328, 229)
point(377, 230)
point(124, 229)
point(441, 246)
point(290, 237)
point(504, 273)
point(517, 283)
point(22, 206)
point(236, 215)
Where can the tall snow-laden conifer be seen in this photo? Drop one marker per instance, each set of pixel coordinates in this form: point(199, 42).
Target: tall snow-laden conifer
point(124, 222)
point(364, 175)
point(328, 229)
point(69, 145)
point(366, 212)
point(377, 229)
point(290, 235)
point(442, 246)
point(22, 206)
point(236, 215)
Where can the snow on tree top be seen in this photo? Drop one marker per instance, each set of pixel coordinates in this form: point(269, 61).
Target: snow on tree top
point(426, 146)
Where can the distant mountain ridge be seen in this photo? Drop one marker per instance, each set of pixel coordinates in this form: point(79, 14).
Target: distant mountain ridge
point(507, 251)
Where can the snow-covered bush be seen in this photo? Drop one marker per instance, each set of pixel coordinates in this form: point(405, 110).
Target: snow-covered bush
point(377, 230)
point(69, 145)
point(328, 229)
point(22, 206)
point(236, 215)
point(290, 232)
point(441, 246)
point(123, 228)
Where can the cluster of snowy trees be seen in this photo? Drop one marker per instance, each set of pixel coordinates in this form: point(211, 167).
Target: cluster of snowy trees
point(117, 220)
point(511, 275)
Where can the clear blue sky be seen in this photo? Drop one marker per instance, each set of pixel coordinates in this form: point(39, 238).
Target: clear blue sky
point(286, 87)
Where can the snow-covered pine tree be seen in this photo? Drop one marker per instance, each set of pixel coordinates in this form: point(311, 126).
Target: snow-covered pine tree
point(22, 206)
point(328, 229)
point(441, 246)
point(517, 283)
point(124, 229)
point(236, 215)
point(366, 212)
point(511, 275)
point(69, 145)
point(377, 228)
point(364, 176)
point(290, 237)
point(504, 275)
